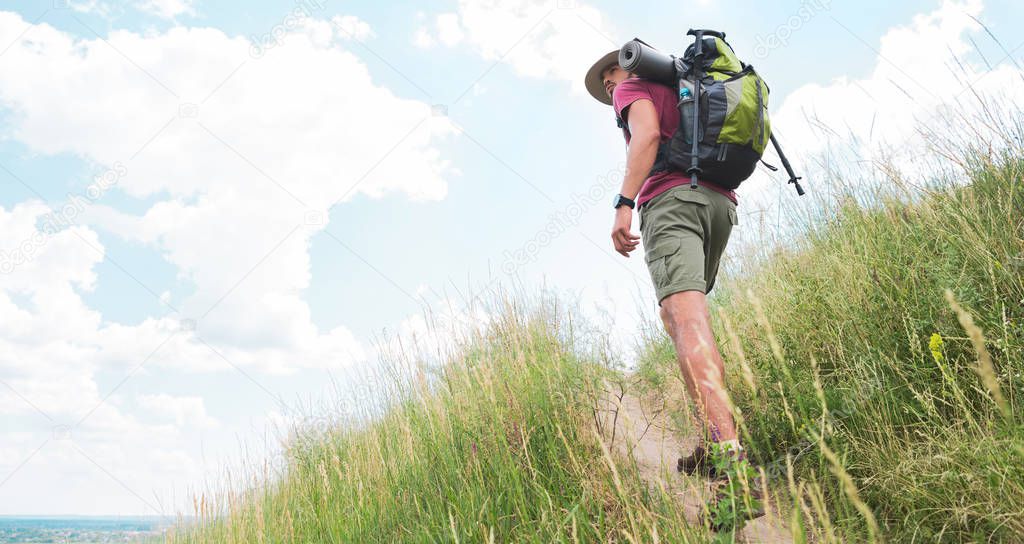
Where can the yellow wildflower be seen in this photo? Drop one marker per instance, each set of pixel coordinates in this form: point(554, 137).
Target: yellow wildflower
point(935, 345)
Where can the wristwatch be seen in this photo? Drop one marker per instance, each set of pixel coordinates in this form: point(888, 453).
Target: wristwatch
point(623, 201)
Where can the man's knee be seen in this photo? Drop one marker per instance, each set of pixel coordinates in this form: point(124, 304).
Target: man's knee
point(686, 313)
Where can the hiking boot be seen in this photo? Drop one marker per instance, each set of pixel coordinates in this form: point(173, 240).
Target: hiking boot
point(700, 462)
point(697, 463)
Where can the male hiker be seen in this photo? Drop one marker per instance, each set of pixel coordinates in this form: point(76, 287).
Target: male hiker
point(684, 230)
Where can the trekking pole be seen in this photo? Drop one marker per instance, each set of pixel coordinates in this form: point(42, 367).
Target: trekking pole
point(698, 73)
point(789, 169)
point(698, 65)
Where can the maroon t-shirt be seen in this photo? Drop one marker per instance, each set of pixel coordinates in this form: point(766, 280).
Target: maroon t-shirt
point(664, 99)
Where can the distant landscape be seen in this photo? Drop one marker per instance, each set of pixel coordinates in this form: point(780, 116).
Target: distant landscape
point(78, 530)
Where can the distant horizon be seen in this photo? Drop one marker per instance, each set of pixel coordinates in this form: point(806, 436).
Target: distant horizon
point(86, 516)
point(82, 528)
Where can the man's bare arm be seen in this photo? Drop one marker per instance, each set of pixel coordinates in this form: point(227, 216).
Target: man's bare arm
point(645, 135)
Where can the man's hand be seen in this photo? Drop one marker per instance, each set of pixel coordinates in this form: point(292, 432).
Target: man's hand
point(624, 240)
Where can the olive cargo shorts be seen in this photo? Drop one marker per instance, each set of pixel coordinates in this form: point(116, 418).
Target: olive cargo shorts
point(684, 232)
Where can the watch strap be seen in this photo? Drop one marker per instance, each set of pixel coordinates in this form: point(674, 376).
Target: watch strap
point(622, 200)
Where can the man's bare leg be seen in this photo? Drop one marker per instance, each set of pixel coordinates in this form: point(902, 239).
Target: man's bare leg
point(687, 321)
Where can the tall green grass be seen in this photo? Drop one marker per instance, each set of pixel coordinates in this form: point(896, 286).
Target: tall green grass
point(502, 443)
point(876, 366)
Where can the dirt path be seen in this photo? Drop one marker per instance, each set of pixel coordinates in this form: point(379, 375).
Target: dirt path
point(642, 426)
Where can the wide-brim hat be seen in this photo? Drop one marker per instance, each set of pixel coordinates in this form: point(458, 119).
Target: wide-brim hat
point(594, 83)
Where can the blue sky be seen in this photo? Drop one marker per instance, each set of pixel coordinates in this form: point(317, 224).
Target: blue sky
point(273, 212)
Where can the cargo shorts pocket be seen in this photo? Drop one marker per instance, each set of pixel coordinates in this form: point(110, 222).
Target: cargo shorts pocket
point(656, 260)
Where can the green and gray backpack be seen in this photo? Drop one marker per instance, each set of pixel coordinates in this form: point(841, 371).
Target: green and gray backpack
point(734, 127)
point(723, 105)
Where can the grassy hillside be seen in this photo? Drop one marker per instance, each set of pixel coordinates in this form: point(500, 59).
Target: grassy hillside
point(894, 337)
point(877, 366)
point(498, 445)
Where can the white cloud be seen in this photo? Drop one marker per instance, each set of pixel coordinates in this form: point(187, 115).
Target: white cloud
point(352, 27)
point(90, 6)
point(168, 9)
point(449, 31)
point(165, 9)
point(183, 411)
point(422, 38)
point(914, 83)
point(537, 38)
point(257, 162)
point(432, 337)
point(916, 60)
point(45, 328)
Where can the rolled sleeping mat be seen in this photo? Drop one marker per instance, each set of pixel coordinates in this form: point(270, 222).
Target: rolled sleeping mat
point(647, 62)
